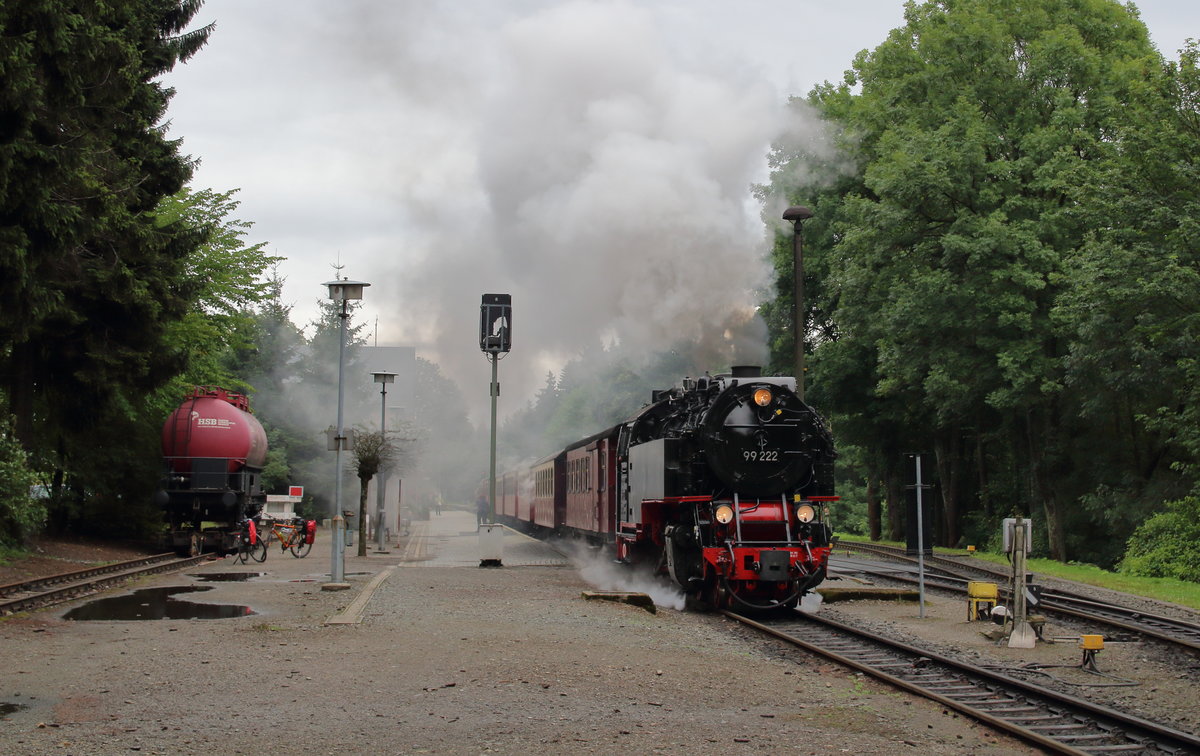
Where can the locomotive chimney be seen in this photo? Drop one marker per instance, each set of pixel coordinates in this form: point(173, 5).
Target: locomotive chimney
point(747, 371)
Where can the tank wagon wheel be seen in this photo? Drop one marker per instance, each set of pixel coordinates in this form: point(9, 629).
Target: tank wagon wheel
point(301, 549)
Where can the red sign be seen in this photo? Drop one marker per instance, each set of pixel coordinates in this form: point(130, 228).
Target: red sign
point(297, 491)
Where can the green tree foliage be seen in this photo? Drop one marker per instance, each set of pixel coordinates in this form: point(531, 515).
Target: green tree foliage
point(91, 282)
point(1168, 544)
point(937, 265)
point(20, 512)
point(1133, 303)
point(229, 279)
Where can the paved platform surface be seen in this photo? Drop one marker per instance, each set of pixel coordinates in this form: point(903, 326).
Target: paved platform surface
point(452, 540)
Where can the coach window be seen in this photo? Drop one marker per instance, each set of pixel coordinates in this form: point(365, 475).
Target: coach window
point(603, 479)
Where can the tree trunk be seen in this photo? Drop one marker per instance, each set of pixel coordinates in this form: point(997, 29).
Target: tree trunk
point(364, 483)
point(20, 393)
point(873, 504)
point(895, 504)
point(947, 445)
point(1042, 485)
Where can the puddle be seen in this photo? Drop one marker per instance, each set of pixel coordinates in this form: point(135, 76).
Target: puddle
point(226, 577)
point(10, 708)
point(155, 604)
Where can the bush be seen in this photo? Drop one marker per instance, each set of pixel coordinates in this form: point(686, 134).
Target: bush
point(20, 512)
point(1168, 544)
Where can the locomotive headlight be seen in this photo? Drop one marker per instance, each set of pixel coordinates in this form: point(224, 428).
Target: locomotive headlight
point(805, 513)
point(724, 514)
point(762, 397)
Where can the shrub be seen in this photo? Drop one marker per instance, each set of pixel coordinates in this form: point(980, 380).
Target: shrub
point(1168, 544)
point(21, 513)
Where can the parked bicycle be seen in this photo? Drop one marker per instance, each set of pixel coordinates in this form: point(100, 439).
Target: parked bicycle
point(293, 535)
point(250, 544)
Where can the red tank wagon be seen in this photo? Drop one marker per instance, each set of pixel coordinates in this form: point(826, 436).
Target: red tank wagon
point(214, 451)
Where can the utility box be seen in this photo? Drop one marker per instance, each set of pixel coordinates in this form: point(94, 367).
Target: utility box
point(491, 545)
point(1010, 527)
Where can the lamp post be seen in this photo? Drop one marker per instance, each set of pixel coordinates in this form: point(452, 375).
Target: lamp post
point(341, 291)
point(797, 214)
point(383, 378)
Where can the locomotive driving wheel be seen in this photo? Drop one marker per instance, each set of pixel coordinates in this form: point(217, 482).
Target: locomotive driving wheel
point(716, 595)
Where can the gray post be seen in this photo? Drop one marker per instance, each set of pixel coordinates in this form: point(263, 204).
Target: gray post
point(492, 469)
point(382, 483)
point(920, 540)
point(340, 290)
point(336, 563)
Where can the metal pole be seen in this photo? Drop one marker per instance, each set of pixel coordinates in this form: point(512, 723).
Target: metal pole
point(382, 484)
point(800, 325)
point(797, 215)
point(492, 470)
point(920, 540)
point(336, 564)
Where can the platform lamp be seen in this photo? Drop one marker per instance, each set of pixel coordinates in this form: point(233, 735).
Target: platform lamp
point(341, 291)
point(797, 214)
point(383, 378)
point(495, 339)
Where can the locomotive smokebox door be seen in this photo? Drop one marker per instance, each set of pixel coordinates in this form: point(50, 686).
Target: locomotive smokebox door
point(495, 323)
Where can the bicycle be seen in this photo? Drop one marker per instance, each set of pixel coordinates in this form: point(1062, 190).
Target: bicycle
point(292, 536)
point(250, 545)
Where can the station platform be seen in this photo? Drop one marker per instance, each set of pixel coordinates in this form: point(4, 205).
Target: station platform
point(452, 539)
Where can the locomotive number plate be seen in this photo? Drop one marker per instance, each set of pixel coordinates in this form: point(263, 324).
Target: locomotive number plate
point(766, 455)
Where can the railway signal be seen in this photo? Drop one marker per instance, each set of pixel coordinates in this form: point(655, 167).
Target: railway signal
point(495, 339)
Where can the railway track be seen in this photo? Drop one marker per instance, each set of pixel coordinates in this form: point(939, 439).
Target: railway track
point(1054, 721)
point(952, 575)
point(53, 589)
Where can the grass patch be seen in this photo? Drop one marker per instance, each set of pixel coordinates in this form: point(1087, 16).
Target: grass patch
point(1164, 589)
point(11, 554)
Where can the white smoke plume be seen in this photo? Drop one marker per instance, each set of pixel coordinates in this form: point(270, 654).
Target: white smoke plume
point(599, 570)
point(571, 156)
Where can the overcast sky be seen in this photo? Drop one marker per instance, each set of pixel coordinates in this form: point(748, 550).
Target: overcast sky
point(592, 158)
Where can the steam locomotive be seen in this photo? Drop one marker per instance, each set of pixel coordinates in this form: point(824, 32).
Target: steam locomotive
point(213, 452)
point(721, 483)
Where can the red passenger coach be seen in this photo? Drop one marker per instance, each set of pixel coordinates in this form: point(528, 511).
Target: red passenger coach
point(547, 500)
point(591, 483)
point(507, 493)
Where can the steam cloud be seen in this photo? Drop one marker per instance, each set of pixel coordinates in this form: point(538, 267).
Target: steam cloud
point(572, 158)
point(599, 571)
